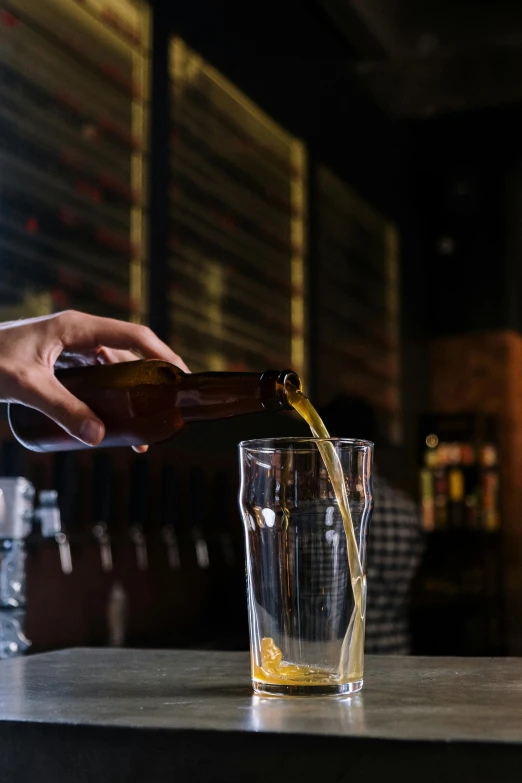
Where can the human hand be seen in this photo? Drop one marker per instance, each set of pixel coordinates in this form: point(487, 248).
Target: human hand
point(31, 349)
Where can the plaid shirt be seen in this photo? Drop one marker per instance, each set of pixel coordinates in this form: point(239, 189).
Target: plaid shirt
point(395, 548)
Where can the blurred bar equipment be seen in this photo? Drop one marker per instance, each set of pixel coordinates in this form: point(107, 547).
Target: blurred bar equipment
point(138, 510)
point(170, 490)
point(197, 499)
point(19, 520)
point(102, 508)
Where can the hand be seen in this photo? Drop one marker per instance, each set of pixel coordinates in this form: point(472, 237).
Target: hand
point(31, 349)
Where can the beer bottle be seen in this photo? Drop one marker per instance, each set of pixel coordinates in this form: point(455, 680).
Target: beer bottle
point(149, 401)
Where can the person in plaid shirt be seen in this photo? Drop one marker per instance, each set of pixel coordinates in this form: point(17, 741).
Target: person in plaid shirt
point(395, 541)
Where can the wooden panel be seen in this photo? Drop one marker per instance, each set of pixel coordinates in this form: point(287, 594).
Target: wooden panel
point(359, 345)
point(73, 117)
point(236, 229)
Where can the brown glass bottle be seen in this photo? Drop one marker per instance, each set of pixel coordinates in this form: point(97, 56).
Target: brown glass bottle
point(150, 401)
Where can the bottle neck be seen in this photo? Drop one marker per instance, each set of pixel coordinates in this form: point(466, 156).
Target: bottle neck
point(218, 395)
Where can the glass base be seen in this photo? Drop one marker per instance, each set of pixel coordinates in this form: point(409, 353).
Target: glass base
point(278, 689)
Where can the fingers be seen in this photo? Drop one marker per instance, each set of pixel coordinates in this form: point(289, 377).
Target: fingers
point(114, 356)
point(41, 390)
point(101, 355)
point(85, 332)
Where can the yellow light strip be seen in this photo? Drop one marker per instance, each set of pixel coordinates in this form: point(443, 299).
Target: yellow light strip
point(141, 66)
point(185, 63)
point(298, 239)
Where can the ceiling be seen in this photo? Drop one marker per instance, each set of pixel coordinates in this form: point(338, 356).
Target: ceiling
point(422, 58)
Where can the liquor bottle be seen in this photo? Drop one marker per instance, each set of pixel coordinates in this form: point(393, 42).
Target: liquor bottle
point(149, 401)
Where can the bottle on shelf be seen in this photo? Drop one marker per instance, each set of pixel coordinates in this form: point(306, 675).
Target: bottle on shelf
point(149, 401)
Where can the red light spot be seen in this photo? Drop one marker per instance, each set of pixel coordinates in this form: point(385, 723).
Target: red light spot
point(228, 222)
point(60, 298)
point(112, 241)
point(108, 126)
point(109, 183)
point(69, 279)
point(68, 217)
point(68, 100)
point(7, 19)
point(88, 190)
point(70, 159)
point(31, 224)
point(114, 297)
point(89, 132)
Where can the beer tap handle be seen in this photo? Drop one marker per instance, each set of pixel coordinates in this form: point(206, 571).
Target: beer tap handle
point(66, 482)
point(102, 499)
point(197, 510)
point(48, 514)
point(139, 510)
point(170, 507)
point(171, 542)
point(104, 542)
point(140, 542)
point(64, 551)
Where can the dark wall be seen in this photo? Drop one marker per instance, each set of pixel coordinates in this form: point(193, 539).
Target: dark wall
point(290, 59)
point(468, 181)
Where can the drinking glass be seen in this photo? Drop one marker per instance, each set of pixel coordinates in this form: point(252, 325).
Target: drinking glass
point(306, 602)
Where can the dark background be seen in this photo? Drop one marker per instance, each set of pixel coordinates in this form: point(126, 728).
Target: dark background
point(418, 108)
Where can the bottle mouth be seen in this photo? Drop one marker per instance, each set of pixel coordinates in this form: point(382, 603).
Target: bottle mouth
point(274, 386)
point(289, 378)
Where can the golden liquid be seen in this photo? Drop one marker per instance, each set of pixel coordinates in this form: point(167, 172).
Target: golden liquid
point(273, 668)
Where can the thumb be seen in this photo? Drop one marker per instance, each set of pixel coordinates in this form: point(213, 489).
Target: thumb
point(47, 395)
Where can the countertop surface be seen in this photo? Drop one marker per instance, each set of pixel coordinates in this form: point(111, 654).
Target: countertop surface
point(197, 710)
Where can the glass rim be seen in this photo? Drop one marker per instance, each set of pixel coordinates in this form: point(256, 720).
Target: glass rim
point(268, 445)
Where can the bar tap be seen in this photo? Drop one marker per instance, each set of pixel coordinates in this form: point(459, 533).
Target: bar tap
point(102, 508)
point(138, 512)
point(51, 526)
point(18, 520)
point(170, 510)
point(65, 478)
point(197, 515)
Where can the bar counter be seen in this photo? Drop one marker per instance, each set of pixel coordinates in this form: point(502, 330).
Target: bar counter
point(134, 715)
